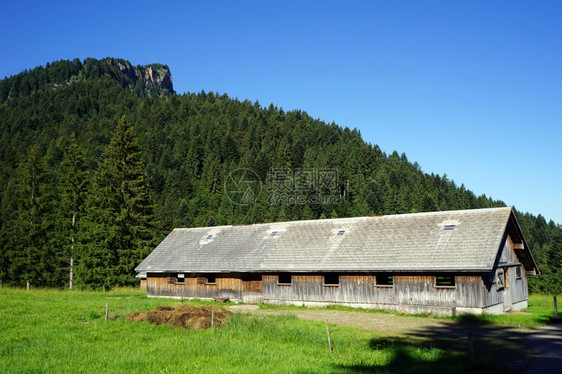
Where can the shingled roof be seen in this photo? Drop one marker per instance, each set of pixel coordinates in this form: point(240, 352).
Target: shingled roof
point(463, 240)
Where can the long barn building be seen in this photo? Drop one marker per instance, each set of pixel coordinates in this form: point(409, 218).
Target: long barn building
point(451, 262)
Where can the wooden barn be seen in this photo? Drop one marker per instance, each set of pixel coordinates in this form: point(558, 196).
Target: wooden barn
point(452, 262)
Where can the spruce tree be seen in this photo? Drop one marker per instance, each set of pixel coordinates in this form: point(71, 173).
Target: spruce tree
point(120, 223)
point(31, 259)
point(554, 270)
point(73, 189)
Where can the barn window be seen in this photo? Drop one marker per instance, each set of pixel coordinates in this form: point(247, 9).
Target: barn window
point(180, 279)
point(500, 280)
point(340, 233)
point(273, 234)
point(331, 280)
point(284, 279)
point(518, 272)
point(449, 227)
point(172, 280)
point(445, 281)
point(385, 280)
point(211, 279)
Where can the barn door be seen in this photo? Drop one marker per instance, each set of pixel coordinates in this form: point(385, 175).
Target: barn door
point(252, 289)
point(507, 302)
point(502, 285)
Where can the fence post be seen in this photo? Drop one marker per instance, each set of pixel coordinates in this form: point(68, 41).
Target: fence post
point(328, 333)
point(555, 308)
point(213, 317)
point(106, 310)
point(27, 286)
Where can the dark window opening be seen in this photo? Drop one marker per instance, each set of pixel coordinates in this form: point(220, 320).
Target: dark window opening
point(331, 280)
point(273, 234)
point(284, 278)
point(340, 233)
point(518, 272)
point(444, 281)
point(180, 279)
point(500, 280)
point(385, 280)
point(449, 227)
point(211, 279)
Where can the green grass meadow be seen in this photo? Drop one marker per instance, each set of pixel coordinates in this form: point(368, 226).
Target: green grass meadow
point(540, 311)
point(56, 331)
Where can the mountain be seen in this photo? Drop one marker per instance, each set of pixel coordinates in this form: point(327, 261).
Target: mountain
point(200, 159)
point(150, 80)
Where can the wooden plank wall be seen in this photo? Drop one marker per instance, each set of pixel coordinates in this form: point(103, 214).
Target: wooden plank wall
point(517, 288)
point(408, 289)
point(225, 286)
point(421, 290)
point(470, 290)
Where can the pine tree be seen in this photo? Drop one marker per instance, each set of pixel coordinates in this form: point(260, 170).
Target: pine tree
point(120, 223)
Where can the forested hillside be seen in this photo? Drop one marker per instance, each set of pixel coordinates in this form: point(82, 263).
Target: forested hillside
point(100, 159)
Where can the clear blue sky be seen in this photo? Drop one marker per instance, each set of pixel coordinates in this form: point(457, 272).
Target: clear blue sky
point(480, 97)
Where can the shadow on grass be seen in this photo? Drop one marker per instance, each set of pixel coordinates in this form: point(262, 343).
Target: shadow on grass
point(409, 357)
point(445, 349)
point(487, 319)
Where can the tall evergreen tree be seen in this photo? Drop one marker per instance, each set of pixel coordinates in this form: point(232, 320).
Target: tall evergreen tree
point(73, 193)
point(120, 222)
point(30, 258)
point(554, 271)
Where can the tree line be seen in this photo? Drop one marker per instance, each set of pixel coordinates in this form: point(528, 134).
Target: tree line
point(95, 172)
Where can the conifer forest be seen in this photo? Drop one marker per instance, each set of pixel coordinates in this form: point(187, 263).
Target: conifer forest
point(101, 159)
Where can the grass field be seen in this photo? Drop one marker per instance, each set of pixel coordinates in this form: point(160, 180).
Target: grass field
point(539, 312)
point(54, 331)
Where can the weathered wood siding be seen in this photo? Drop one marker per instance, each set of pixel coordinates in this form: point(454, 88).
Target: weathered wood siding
point(225, 286)
point(242, 287)
point(421, 290)
point(515, 289)
point(310, 287)
point(252, 288)
point(408, 289)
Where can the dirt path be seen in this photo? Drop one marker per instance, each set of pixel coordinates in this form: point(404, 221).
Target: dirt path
point(546, 343)
point(386, 324)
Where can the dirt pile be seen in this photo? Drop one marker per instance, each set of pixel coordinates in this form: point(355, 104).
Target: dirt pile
point(185, 316)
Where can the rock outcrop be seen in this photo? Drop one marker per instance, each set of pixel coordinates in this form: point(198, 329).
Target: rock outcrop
point(154, 78)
